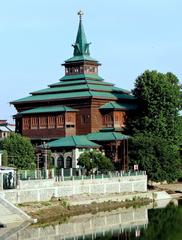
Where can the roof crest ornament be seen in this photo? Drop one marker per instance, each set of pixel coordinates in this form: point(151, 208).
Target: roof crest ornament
point(80, 13)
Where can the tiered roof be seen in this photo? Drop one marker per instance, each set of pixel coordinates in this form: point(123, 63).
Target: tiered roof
point(77, 85)
point(49, 109)
point(118, 106)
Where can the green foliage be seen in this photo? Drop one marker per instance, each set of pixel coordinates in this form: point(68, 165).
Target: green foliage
point(94, 159)
point(159, 99)
point(50, 159)
point(20, 151)
point(157, 127)
point(156, 156)
point(164, 223)
point(5, 158)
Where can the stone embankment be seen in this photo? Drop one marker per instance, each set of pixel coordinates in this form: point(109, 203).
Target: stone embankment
point(44, 190)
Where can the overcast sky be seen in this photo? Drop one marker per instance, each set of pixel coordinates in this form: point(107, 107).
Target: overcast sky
point(128, 37)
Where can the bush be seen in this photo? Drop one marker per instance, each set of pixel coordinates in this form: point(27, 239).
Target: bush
point(20, 151)
point(94, 159)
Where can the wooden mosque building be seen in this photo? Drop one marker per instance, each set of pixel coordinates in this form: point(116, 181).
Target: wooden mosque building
point(80, 103)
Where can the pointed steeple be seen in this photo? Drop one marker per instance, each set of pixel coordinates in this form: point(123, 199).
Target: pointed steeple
point(81, 46)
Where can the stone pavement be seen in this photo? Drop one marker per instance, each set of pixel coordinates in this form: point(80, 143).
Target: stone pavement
point(13, 218)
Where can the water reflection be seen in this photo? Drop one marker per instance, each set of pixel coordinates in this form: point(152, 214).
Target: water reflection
point(128, 224)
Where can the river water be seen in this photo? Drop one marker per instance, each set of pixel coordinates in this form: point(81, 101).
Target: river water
point(162, 221)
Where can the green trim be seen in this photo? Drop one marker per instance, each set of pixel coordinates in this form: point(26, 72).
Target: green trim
point(71, 95)
point(106, 136)
point(80, 58)
point(49, 109)
point(81, 76)
point(46, 97)
point(119, 106)
point(71, 83)
point(81, 87)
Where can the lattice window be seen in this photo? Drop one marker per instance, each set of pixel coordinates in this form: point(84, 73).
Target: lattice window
point(34, 122)
point(26, 123)
point(60, 121)
point(42, 122)
point(107, 120)
point(51, 122)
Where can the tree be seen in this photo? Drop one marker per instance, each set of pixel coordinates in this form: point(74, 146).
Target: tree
point(160, 100)
point(5, 158)
point(157, 126)
point(94, 159)
point(156, 155)
point(20, 151)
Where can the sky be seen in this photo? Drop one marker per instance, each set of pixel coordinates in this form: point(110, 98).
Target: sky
point(127, 36)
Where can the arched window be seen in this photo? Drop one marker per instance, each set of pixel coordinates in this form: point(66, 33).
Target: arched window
point(68, 162)
point(60, 162)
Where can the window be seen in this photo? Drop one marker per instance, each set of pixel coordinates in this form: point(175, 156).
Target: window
point(76, 70)
point(51, 122)
point(60, 162)
point(81, 69)
point(68, 162)
point(42, 122)
point(34, 122)
point(26, 123)
point(107, 120)
point(86, 69)
point(60, 121)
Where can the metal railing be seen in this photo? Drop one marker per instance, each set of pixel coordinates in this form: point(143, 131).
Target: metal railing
point(71, 174)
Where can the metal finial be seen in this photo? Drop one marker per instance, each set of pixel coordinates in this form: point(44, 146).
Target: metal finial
point(80, 13)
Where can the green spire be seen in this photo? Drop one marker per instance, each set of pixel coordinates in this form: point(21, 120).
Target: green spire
point(81, 46)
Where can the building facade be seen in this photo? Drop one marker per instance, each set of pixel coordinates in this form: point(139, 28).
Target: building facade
point(81, 103)
point(6, 129)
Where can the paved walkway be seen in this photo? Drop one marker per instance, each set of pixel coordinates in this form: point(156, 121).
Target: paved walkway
point(174, 187)
point(13, 218)
point(7, 216)
point(9, 213)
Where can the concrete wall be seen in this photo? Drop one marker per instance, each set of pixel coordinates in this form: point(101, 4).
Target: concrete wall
point(89, 225)
point(43, 190)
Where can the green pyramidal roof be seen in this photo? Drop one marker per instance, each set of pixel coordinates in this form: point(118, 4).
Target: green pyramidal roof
point(81, 76)
point(119, 106)
point(81, 47)
point(79, 84)
point(73, 141)
point(106, 136)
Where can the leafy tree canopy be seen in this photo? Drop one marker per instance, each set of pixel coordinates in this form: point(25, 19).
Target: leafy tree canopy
point(156, 126)
point(94, 159)
point(155, 155)
point(160, 100)
point(19, 150)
